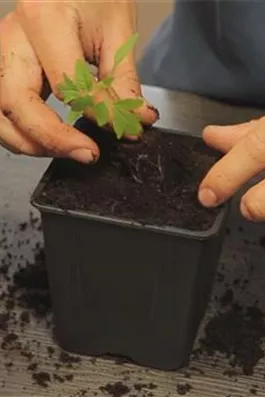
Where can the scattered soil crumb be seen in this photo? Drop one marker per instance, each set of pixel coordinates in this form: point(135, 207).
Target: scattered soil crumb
point(4, 320)
point(24, 318)
point(69, 377)
point(32, 367)
point(9, 364)
point(227, 298)
point(237, 333)
point(58, 378)
point(146, 386)
point(230, 373)
point(10, 341)
point(68, 359)
point(117, 389)
point(42, 378)
point(183, 389)
point(50, 351)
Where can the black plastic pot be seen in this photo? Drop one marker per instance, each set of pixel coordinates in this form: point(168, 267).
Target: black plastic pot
point(126, 289)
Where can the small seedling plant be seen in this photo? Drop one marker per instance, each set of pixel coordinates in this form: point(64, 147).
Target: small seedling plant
point(80, 94)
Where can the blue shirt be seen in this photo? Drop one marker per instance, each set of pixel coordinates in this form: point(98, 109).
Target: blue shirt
point(214, 48)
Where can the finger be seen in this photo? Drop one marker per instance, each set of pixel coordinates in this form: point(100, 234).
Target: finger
point(36, 19)
point(253, 204)
point(21, 82)
point(126, 82)
point(46, 129)
point(58, 48)
point(223, 138)
point(242, 162)
point(13, 140)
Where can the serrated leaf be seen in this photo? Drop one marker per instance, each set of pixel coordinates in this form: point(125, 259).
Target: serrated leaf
point(126, 123)
point(83, 77)
point(82, 104)
point(68, 89)
point(133, 126)
point(69, 96)
point(119, 123)
point(125, 49)
point(72, 116)
point(69, 83)
point(129, 104)
point(101, 113)
point(105, 83)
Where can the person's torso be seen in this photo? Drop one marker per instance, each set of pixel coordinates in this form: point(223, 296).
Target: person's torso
point(214, 48)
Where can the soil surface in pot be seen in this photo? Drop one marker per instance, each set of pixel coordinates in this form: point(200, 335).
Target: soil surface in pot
point(154, 181)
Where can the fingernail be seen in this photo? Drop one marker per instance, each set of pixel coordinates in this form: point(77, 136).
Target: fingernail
point(207, 197)
point(82, 155)
point(245, 212)
point(132, 138)
point(212, 128)
point(155, 110)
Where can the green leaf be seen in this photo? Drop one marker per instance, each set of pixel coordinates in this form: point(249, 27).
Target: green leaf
point(68, 96)
point(81, 104)
point(126, 123)
point(105, 83)
point(69, 83)
point(119, 123)
point(133, 126)
point(68, 89)
point(129, 104)
point(125, 49)
point(101, 113)
point(72, 116)
point(83, 77)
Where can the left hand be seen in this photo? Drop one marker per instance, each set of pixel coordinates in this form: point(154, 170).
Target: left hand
point(244, 145)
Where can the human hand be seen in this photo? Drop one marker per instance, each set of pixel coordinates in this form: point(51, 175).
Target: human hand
point(39, 42)
point(244, 145)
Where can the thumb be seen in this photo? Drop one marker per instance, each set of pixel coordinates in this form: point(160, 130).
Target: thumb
point(224, 138)
point(126, 82)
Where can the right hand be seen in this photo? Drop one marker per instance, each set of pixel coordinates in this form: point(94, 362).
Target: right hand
point(39, 42)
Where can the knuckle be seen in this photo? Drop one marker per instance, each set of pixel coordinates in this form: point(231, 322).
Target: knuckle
point(7, 107)
point(27, 148)
point(49, 143)
point(6, 110)
point(254, 208)
point(255, 144)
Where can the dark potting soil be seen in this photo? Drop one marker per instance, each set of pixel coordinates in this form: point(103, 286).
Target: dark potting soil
point(25, 298)
point(117, 389)
point(183, 389)
point(145, 386)
point(68, 360)
point(238, 333)
point(42, 378)
point(154, 181)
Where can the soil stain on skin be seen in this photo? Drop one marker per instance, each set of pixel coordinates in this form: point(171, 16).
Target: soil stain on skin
point(153, 181)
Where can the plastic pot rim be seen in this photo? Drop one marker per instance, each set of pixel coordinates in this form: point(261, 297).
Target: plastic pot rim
point(170, 230)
